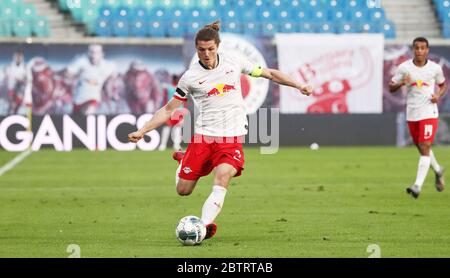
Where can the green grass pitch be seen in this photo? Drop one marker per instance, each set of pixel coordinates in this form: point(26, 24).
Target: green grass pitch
point(333, 202)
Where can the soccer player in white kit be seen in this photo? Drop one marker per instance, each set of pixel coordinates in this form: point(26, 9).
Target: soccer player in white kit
point(214, 84)
point(421, 76)
point(92, 72)
point(15, 75)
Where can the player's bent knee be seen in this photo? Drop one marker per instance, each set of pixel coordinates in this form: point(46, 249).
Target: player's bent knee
point(185, 188)
point(182, 191)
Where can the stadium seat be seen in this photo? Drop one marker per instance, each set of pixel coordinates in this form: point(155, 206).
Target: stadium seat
point(89, 15)
point(156, 29)
point(41, 27)
point(120, 28)
point(264, 16)
point(5, 28)
point(306, 27)
point(193, 27)
point(22, 28)
point(232, 27)
point(112, 3)
point(288, 27)
point(139, 13)
point(205, 4)
point(388, 29)
point(251, 28)
point(102, 27)
point(446, 31)
point(176, 29)
point(106, 12)
point(138, 28)
point(346, 27)
point(269, 28)
point(325, 27)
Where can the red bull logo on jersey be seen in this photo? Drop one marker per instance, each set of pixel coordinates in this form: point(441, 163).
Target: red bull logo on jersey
point(220, 90)
point(419, 84)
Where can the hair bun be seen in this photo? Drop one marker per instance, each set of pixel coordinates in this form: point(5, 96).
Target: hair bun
point(215, 25)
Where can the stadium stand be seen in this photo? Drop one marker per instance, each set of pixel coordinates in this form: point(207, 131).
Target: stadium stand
point(443, 13)
point(178, 18)
point(18, 18)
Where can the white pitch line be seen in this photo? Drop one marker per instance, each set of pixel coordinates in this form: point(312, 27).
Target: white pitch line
point(14, 162)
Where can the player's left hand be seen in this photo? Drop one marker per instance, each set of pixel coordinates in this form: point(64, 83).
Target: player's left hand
point(306, 90)
point(435, 98)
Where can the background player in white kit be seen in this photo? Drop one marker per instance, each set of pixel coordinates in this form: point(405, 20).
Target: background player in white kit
point(15, 77)
point(92, 72)
point(214, 84)
point(421, 76)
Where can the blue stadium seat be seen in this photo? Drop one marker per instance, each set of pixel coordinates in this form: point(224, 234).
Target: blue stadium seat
point(387, 27)
point(269, 28)
point(252, 28)
point(231, 15)
point(176, 29)
point(369, 27)
point(232, 27)
point(195, 14)
point(193, 27)
point(156, 29)
point(446, 31)
point(326, 27)
point(139, 13)
point(138, 28)
point(377, 15)
point(306, 27)
point(359, 15)
point(319, 15)
point(212, 15)
point(120, 28)
point(102, 28)
point(346, 27)
point(106, 12)
point(122, 12)
point(159, 14)
point(338, 15)
point(288, 27)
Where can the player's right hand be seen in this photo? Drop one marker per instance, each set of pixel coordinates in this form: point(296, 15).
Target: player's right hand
point(135, 136)
point(407, 80)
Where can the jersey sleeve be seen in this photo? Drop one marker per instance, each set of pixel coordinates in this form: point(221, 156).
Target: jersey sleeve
point(440, 78)
point(251, 69)
point(76, 66)
point(183, 89)
point(399, 74)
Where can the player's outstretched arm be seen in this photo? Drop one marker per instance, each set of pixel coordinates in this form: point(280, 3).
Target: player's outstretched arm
point(160, 117)
point(284, 79)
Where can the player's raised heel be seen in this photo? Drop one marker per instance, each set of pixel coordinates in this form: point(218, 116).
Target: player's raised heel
point(178, 156)
point(440, 183)
point(211, 230)
point(412, 192)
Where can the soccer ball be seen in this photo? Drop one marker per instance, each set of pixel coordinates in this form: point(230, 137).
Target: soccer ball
point(190, 230)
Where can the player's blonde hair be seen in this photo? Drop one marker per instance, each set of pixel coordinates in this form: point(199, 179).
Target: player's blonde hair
point(209, 32)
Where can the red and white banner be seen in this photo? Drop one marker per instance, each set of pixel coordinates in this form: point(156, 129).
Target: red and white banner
point(346, 72)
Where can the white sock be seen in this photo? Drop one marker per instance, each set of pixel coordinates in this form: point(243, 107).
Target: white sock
point(165, 133)
point(422, 171)
point(213, 205)
point(434, 164)
point(176, 137)
point(177, 178)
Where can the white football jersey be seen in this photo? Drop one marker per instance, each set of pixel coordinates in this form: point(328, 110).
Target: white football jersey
point(217, 94)
point(423, 82)
point(90, 79)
